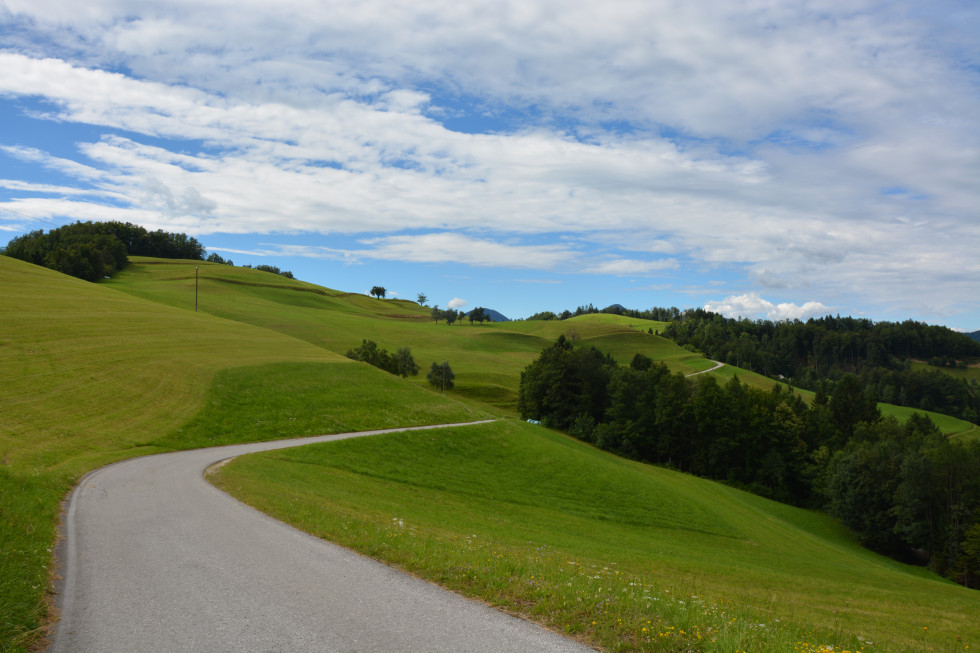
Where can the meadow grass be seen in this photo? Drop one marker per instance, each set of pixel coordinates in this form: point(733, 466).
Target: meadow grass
point(971, 373)
point(338, 321)
point(94, 373)
point(487, 359)
point(285, 400)
point(90, 375)
point(622, 555)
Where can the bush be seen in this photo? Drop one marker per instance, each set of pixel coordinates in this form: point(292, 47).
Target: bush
point(402, 363)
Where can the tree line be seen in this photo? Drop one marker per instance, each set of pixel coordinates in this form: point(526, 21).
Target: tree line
point(451, 316)
point(904, 489)
point(95, 250)
point(656, 313)
point(402, 363)
point(819, 352)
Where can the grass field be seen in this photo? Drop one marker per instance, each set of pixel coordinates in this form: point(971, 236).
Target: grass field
point(93, 373)
point(619, 554)
point(89, 375)
point(487, 359)
point(971, 373)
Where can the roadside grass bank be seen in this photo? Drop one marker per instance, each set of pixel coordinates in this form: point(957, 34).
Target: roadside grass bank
point(618, 554)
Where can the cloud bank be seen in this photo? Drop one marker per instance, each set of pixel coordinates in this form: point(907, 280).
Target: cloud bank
point(825, 155)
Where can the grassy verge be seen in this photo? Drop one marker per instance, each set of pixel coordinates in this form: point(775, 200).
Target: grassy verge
point(622, 555)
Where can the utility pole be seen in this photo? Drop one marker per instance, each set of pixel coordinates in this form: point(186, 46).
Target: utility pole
point(195, 288)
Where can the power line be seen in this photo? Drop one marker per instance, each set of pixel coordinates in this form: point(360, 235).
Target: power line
point(24, 215)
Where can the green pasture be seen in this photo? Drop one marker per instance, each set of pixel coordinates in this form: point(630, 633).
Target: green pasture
point(952, 426)
point(487, 359)
point(283, 400)
point(971, 373)
point(90, 375)
point(619, 554)
point(94, 373)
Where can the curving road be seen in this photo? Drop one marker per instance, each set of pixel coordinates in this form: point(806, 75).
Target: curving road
point(154, 558)
point(710, 369)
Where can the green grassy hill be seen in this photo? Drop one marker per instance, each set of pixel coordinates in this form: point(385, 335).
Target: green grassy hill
point(92, 373)
point(487, 359)
point(620, 554)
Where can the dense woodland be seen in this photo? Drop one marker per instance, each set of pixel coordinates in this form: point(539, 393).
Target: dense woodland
point(817, 353)
point(904, 489)
point(94, 250)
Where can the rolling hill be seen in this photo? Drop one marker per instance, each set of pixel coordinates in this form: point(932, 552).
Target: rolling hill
point(93, 373)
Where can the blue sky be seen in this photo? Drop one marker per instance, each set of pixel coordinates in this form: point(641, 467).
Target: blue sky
point(765, 159)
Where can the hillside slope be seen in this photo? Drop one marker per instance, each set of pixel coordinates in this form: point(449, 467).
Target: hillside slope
point(487, 359)
point(604, 548)
point(90, 375)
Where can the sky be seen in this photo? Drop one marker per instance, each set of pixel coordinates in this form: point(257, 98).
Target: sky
point(763, 159)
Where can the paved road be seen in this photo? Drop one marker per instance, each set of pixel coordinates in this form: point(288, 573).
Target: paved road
point(156, 559)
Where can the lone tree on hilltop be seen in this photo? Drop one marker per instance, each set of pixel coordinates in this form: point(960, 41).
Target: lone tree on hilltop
point(422, 299)
point(379, 292)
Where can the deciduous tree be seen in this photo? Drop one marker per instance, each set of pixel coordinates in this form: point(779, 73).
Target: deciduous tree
point(441, 375)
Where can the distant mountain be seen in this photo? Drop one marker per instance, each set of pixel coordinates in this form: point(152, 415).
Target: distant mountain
point(975, 335)
point(496, 316)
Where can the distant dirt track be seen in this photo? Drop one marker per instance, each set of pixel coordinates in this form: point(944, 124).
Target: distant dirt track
point(710, 369)
point(154, 558)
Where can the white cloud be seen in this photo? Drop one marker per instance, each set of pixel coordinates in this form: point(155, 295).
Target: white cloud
point(628, 267)
point(818, 150)
point(753, 306)
point(457, 303)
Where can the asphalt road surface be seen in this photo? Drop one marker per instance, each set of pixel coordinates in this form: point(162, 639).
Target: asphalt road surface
point(156, 559)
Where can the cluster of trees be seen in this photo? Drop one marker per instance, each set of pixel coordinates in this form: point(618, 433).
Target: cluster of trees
point(217, 258)
point(452, 316)
point(273, 269)
point(214, 257)
point(401, 363)
point(656, 313)
point(909, 492)
point(774, 444)
point(94, 250)
point(441, 375)
point(818, 352)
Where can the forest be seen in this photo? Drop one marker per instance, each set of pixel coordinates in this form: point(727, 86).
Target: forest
point(817, 353)
point(95, 250)
point(905, 490)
